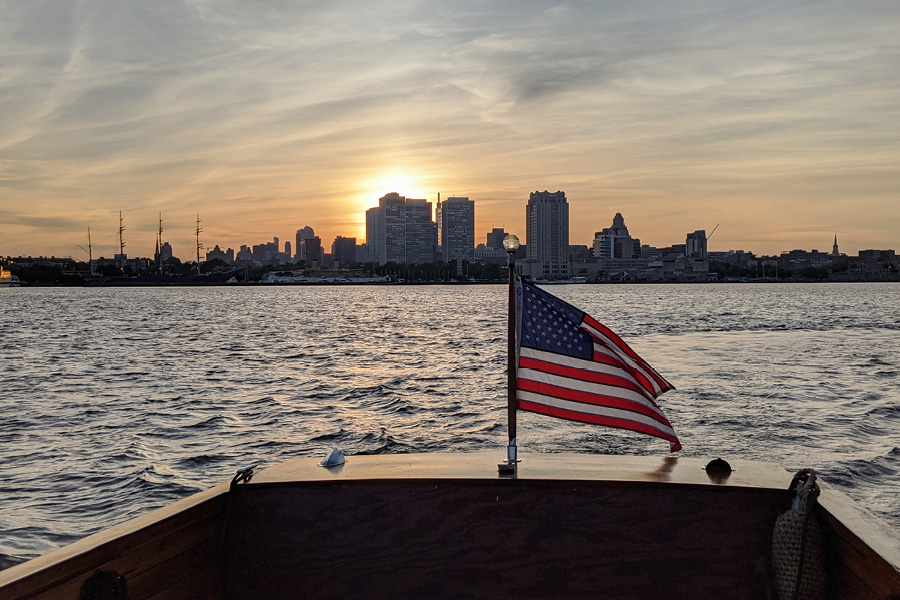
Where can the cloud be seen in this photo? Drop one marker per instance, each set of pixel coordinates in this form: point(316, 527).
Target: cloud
point(212, 106)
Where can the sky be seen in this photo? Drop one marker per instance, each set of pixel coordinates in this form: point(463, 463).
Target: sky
point(777, 121)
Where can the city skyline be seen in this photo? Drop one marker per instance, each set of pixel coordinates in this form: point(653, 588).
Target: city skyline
point(109, 250)
point(777, 122)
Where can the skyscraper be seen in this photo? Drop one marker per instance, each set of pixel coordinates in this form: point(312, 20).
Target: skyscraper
point(392, 228)
point(303, 234)
point(695, 245)
point(616, 242)
point(495, 238)
point(400, 230)
point(311, 251)
point(343, 250)
point(420, 232)
point(547, 234)
point(373, 239)
point(457, 233)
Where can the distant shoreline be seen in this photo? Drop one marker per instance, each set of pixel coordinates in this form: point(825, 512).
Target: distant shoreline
point(257, 284)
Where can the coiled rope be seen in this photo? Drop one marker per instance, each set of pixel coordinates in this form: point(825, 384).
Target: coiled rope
point(798, 556)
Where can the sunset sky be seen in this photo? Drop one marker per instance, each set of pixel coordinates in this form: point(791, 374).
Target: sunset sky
point(778, 121)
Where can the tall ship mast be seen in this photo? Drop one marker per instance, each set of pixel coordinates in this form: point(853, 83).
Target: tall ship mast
point(122, 241)
point(89, 251)
point(199, 245)
point(159, 243)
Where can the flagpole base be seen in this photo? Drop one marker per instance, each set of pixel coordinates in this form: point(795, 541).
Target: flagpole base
point(509, 465)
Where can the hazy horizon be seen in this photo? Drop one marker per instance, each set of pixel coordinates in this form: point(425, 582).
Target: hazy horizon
point(779, 122)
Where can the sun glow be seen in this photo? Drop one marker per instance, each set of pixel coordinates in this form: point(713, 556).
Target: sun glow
point(405, 184)
point(385, 181)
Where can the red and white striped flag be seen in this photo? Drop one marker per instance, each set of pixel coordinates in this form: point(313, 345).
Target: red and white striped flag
point(572, 367)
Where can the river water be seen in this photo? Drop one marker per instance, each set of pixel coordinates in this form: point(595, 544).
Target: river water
point(116, 401)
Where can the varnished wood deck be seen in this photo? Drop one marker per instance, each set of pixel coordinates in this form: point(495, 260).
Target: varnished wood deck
point(446, 525)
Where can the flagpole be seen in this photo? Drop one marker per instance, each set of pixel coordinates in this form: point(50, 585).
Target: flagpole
point(511, 245)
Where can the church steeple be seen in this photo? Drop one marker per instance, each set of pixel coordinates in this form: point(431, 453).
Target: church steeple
point(834, 249)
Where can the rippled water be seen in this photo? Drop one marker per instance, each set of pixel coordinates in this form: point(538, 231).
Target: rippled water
point(117, 400)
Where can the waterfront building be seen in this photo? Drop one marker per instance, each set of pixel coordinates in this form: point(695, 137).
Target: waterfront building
point(217, 253)
point(878, 261)
point(244, 255)
point(392, 228)
point(421, 233)
point(373, 240)
point(547, 233)
point(439, 223)
point(343, 251)
point(802, 258)
point(401, 230)
point(579, 252)
point(267, 253)
point(311, 251)
point(616, 242)
point(495, 238)
point(486, 255)
point(165, 252)
point(120, 263)
point(303, 234)
point(695, 246)
point(457, 230)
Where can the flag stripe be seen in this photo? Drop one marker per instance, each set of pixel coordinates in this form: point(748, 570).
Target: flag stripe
point(550, 390)
point(577, 386)
point(604, 367)
point(643, 365)
point(639, 378)
point(600, 419)
point(642, 371)
point(581, 374)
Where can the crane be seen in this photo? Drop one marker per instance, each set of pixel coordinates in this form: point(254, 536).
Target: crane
point(713, 231)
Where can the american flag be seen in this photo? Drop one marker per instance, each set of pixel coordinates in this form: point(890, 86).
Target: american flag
point(572, 367)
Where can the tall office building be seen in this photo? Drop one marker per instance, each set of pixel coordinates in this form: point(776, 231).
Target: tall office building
point(457, 230)
point(616, 242)
point(495, 238)
point(438, 219)
point(303, 234)
point(695, 245)
point(311, 251)
point(400, 230)
point(392, 228)
point(343, 250)
point(373, 240)
point(420, 232)
point(547, 234)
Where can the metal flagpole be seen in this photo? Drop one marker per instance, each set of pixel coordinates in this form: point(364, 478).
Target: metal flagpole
point(511, 245)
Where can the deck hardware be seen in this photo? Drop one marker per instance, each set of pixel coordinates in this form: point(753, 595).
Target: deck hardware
point(243, 476)
point(104, 584)
point(718, 470)
point(335, 458)
point(508, 466)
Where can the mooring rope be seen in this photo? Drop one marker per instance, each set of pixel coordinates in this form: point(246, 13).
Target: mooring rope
point(798, 561)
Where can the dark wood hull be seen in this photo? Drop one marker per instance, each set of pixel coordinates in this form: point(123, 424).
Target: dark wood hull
point(411, 526)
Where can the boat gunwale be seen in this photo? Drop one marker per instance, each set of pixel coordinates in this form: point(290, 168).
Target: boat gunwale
point(861, 530)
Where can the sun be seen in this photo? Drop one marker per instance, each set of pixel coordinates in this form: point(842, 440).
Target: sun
point(408, 182)
point(404, 183)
